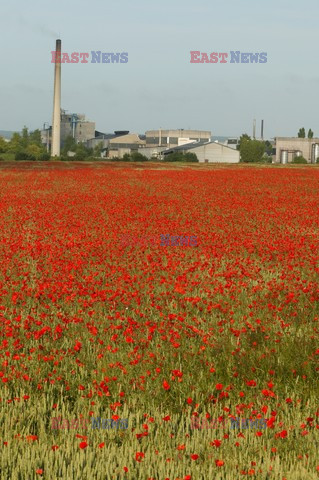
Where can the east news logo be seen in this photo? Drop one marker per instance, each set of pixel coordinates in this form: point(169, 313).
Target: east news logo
point(235, 57)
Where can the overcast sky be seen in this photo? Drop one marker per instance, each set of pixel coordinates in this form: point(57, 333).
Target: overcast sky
point(159, 87)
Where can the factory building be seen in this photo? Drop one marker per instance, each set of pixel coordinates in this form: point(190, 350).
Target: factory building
point(174, 138)
point(124, 144)
point(206, 152)
point(287, 148)
point(76, 126)
point(209, 152)
point(117, 144)
point(71, 124)
point(104, 138)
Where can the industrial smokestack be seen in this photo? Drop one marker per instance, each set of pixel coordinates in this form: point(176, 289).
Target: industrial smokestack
point(262, 130)
point(56, 122)
point(254, 129)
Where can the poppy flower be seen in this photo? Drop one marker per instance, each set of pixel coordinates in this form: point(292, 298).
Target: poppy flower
point(139, 456)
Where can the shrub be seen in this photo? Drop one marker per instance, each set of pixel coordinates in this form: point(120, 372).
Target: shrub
point(251, 151)
point(300, 159)
point(24, 156)
point(44, 156)
point(180, 157)
point(138, 157)
point(133, 157)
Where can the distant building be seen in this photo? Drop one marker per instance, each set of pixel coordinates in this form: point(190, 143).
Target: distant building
point(72, 124)
point(174, 138)
point(117, 144)
point(124, 144)
point(208, 152)
point(76, 126)
point(232, 142)
point(104, 138)
point(289, 147)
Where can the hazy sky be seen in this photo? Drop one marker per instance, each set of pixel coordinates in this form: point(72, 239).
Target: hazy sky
point(159, 87)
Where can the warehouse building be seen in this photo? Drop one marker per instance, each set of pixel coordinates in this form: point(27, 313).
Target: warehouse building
point(287, 148)
point(115, 145)
point(175, 138)
point(209, 152)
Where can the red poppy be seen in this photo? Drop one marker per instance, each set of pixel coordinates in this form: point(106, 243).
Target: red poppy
point(139, 456)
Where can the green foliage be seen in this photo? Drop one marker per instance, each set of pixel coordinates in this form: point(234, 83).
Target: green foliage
point(25, 137)
point(7, 156)
point(310, 133)
point(181, 157)
point(98, 149)
point(35, 138)
point(251, 151)
point(300, 159)
point(26, 146)
point(244, 136)
point(268, 147)
point(134, 157)
point(3, 145)
point(301, 133)
point(69, 145)
point(24, 156)
point(15, 144)
point(44, 156)
point(34, 150)
point(82, 152)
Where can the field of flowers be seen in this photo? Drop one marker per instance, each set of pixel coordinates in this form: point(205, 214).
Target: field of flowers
point(166, 337)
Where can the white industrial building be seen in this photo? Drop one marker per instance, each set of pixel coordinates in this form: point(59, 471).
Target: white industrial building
point(174, 138)
point(287, 148)
point(208, 152)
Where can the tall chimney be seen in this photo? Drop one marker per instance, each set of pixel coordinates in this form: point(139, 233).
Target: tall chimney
point(56, 122)
point(254, 129)
point(262, 130)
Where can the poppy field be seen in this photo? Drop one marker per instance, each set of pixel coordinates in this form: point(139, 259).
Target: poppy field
point(164, 336)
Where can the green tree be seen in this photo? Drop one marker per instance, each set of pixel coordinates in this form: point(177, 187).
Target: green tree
point(15, 144)
point(244, 136)
point(82, 152)
point(25, 137)
point(34, 151)
point(310, 133)
point(268, 147)
point(302, 133)
point(98, 149)
point(251, 151)
point(26, 145)
point(35, 138)
point(69, 145)
point(3, 145)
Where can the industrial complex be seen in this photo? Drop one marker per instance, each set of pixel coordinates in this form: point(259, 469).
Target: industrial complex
point(157, 144)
